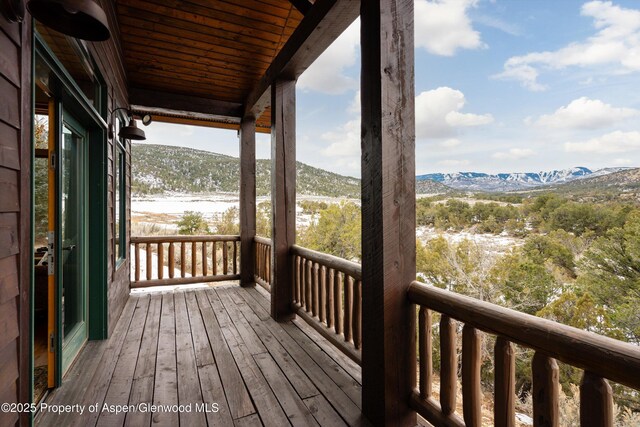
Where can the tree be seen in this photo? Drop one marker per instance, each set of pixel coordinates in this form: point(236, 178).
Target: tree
point(192, 223)
point(228, 223)
point(336, 231)
point(611, 272)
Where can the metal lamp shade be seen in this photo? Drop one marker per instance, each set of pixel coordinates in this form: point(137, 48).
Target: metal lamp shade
point(132, 132)
point(82, 19)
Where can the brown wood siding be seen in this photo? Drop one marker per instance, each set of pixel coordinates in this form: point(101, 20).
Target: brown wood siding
point(108, 56)
point(15, 211)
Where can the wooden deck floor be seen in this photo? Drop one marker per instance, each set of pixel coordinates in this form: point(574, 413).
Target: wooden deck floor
point(210, 346)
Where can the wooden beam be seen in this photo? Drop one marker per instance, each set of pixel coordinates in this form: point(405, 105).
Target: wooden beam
point(183, 103)
point(326, 20)
point(303, 6)
point(247, 200)
point(388, 211)
point(283, 195)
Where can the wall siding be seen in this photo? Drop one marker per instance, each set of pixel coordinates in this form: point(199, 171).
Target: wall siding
point(16, 49)
point(15, 213)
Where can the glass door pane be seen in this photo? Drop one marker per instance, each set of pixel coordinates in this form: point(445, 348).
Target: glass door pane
point(72, 240)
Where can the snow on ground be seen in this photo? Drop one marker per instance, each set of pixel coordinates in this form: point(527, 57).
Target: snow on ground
point(496, 244)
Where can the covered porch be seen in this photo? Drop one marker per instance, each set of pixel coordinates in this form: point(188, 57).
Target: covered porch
point(217, 352)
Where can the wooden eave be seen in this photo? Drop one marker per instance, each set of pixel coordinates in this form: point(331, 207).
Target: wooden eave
point(213, 62)
point(184, 57)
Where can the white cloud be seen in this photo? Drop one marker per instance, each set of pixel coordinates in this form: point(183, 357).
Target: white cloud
point(453, 163)
point(327, 73)
point(615, 44)
point(614, 142)
point(345, 141)
point(622, 162)
point(514, 154)
point(585, 113)
point(450, 143)
point(442, 26)
point(438, 113)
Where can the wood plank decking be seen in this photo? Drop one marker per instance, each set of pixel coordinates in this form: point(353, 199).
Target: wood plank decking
point(210, 346)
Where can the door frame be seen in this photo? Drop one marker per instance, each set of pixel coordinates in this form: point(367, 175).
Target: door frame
point(66, 91)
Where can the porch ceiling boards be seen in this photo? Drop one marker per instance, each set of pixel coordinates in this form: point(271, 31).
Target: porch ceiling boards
point(213, 50)
point(215, 345)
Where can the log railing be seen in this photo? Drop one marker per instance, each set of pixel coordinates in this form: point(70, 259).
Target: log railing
point(600, 357)
point(263, 262)
point(185, 259)
point(328, 295)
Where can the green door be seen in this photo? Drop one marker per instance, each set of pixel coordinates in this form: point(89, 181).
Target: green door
point(72, 247)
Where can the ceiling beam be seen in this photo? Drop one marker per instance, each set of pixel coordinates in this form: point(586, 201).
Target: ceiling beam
point(181, 103)
point(324, 22)
point(303, 6)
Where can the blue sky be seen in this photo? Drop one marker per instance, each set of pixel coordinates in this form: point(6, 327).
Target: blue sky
point(501, 86)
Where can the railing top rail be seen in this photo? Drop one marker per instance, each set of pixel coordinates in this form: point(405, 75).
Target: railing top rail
point(262, 240)
point(607, 357)
point(348, 267)
point(183, 238)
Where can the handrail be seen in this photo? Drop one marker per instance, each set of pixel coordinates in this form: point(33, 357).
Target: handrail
point(200, 252)
point(600, 357)
point(262, 274)
point(328, 296)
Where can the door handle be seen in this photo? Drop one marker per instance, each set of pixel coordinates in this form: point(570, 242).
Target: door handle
point(69, 248)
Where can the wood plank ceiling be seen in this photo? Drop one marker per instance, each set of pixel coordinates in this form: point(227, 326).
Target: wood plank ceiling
point(213, 49)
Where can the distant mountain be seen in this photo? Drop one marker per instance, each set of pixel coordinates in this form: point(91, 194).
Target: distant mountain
point(427, 186)
point(160, 169)
point(617, 183)
point(478, 181)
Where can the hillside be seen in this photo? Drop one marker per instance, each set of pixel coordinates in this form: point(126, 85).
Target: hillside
point(621, 185)
point(160, 169)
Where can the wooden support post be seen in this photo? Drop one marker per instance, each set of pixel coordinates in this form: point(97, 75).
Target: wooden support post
point(388, 211)
point(283, 195)
point(247, 200)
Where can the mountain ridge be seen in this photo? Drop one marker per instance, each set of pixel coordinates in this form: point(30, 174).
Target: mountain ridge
point(480, 181)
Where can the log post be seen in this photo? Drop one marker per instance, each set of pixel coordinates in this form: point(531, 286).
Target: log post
point(283, 195)
point(247, 200)
point(388, 211)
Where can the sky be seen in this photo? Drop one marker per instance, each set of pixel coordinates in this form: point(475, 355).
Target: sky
point(501, 86)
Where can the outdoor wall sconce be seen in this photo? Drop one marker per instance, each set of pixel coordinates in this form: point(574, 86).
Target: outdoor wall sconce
point(13, 10)
point(82, 19)
point(131, 131)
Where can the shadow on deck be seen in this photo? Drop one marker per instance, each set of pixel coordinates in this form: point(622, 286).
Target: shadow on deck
point(206, 349)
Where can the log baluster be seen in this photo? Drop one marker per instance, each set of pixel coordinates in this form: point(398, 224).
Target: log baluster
point(425, 348)
point(348, 308)
point(504, 384)
point(471, 387)
point(545, 391)
point(205, 267)
point(183, 259)
point(194, 259)
point(316, 290)
point(137, 255)
point(149, 264)
point(322, 303)
point(309, 286)
point(357, 314)
point(235, 257)
point(214, 258)
point(160, 260)
point(172, 260)
point(337, 302)
point(448, 365)
point(298, 282)
point(225, 258)
point(596, 401)
point(330, 296)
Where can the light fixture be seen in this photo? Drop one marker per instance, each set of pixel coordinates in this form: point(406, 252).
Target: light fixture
point(13, 10)
point(131, 131)
point(82, 19)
